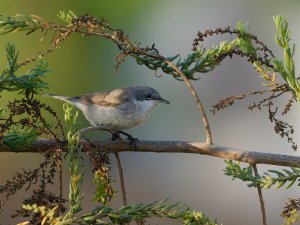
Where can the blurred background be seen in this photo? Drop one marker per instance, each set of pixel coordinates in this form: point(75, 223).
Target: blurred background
point(84, 65)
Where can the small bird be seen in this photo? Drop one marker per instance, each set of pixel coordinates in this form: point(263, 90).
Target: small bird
point(116, 110)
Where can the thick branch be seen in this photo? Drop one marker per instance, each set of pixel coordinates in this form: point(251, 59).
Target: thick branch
point(175, 147)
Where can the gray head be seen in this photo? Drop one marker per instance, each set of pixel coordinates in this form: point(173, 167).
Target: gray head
point(143, 93)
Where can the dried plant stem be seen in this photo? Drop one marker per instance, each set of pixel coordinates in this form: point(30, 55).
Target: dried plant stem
point(261, 199)
point(40, 55)
point(198, 101)
point(60, 184)
point(122, 181)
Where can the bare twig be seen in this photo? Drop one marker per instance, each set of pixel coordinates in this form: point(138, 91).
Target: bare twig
point(198, 102)
point(261, 199)
point(60, 184)
point(122, 182)
point(230, 100)
point(228, 153)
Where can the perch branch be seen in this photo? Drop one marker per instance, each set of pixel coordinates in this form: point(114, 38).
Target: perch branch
point(228, 153)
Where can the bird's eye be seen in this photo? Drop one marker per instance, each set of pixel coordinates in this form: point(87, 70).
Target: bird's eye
point(149, 96)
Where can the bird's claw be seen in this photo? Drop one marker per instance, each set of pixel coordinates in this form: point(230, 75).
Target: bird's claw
point(117, 136)
point(132, 142)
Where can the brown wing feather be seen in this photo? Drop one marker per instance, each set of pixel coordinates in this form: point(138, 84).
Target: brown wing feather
point(106, 98)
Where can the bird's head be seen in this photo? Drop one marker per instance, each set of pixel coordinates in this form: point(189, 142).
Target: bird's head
point(148, 94)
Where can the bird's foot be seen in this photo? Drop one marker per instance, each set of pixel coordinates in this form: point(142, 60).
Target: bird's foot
point(117, 136)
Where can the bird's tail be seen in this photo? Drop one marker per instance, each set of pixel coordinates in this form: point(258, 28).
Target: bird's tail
point(64, 98)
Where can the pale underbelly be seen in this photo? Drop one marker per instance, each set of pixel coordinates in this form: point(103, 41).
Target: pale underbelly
point(111, 118)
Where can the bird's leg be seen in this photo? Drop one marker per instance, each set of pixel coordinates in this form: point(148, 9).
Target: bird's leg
point(97, 127)
point(89, 141)
point(115, 135)
point(131, 139)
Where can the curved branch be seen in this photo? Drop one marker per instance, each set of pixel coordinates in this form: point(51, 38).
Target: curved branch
point(250, 157)
point(197, 100)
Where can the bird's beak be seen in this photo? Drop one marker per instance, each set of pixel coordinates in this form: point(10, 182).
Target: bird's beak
point(161, 100)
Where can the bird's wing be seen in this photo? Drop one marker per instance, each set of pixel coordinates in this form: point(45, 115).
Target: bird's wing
point(106, 98)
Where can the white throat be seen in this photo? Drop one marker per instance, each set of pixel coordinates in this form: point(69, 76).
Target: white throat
point(145, 106)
